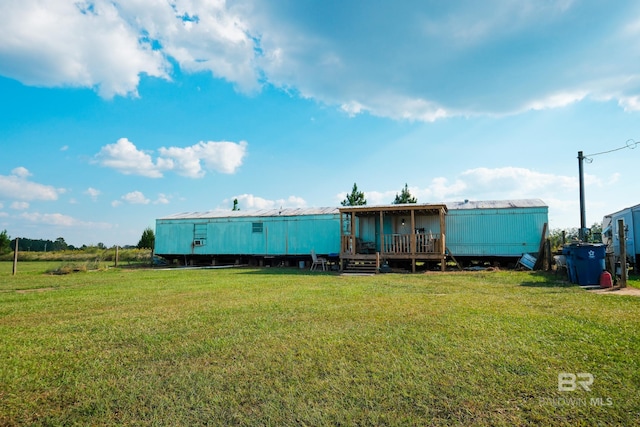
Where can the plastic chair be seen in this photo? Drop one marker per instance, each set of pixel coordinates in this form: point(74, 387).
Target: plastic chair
point(318, 261)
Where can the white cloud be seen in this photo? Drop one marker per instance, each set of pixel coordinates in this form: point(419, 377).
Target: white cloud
point(514, 181)
point(82, 44)
point(138, 198)
point(20, 206)
point(222, 156)
point(39, 44)
point(415, 61)
point(58, 219)
point(17, 186)
point(127, 159)
point(379, 197)
point(93, 193)
point(488, 184)
point(204, 36)
point(556, 100)
point(399, 108)
point(615, 177)
point(21, 172)
point(629, 103)
point(162, 200)
point(135, 198)
point(251, 202)
point(408, 61)
point(439, 190)
point(50, 219)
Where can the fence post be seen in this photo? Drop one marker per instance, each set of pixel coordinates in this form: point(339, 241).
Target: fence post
point(623, 253)
point(15, 258)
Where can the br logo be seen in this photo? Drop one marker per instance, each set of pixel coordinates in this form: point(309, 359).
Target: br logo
point(570, 382)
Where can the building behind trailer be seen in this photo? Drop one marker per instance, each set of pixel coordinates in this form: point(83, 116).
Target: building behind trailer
point(610, 234)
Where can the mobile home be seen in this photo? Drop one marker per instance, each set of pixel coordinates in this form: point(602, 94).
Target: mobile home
point(269, 235)
point(398, 234)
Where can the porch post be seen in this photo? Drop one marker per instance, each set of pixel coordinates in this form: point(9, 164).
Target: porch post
point(443, 245)
point(413, 233)
point(341, 232)
point(381, 234)
point(413, 241)
point(354, 245)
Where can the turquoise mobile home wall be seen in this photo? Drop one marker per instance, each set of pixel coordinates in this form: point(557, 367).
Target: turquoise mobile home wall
point(281, 232)
point(507, 228)
point(504, 228)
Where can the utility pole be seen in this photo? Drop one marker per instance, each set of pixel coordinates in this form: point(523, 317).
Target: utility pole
point(581, 158)
point(583, 214)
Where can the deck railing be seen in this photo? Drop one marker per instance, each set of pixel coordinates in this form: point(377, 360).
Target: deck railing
point(346, 244)
point(398, 244)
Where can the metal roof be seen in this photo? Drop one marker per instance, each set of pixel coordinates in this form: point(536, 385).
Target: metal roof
point(630, 208)
point(496, 204)
point(402, 208)
point(253, 213)
point(467, 204)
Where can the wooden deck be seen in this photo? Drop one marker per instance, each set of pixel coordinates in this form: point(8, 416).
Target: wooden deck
point(366, 236)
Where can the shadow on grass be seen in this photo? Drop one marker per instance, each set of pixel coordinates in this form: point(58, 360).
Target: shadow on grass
point(549, 280)
point(287, 270)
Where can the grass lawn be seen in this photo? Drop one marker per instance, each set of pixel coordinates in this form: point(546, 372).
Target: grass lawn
point(286, 347)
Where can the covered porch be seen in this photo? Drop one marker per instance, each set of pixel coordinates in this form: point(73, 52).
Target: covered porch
point(407, 232)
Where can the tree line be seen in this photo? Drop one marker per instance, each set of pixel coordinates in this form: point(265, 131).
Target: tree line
point(7, 244)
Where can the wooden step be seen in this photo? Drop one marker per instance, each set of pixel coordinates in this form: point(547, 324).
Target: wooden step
point(360, 267)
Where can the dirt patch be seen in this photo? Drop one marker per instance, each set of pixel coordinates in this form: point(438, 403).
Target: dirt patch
point(614, 291)
point(28, 291)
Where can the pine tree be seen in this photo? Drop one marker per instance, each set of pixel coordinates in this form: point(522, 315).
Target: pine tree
point(404, 197)
point(147, 241)
point(5, 242)
point(356, 198)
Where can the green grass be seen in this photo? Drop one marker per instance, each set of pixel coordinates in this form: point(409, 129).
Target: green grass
point(285, 347)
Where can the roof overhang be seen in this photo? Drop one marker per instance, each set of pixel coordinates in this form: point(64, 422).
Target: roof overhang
point(402, 209)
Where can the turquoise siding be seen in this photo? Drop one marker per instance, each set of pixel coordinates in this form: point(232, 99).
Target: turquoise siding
point(470, 231)
point(261, 236)
point(495, 232)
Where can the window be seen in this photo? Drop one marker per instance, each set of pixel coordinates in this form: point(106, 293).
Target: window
point(199, 234)
point(256, 227)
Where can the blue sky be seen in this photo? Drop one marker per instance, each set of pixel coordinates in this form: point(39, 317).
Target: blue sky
point(115, 113)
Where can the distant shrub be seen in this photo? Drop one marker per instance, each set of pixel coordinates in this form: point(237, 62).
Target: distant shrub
point(68, 269)
point(88, 255)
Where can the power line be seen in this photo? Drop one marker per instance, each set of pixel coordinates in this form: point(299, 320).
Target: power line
point(631, 144)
